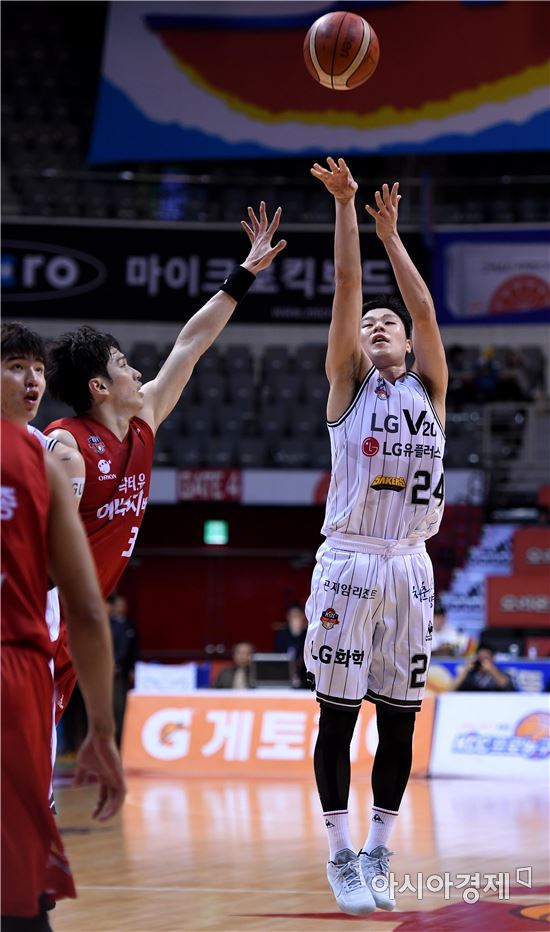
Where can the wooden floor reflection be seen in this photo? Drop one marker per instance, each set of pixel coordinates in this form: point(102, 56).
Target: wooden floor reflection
point(238, 856)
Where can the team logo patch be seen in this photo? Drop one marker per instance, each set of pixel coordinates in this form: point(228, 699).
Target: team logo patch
point(96, 443)
point(393, 483)
point(381, 389)
point(370, 446)
point(329, 618)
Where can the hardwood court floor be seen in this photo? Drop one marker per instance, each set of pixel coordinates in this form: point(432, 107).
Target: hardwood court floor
point(238, 856)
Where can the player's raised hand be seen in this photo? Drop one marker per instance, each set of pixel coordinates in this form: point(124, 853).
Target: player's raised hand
point(98, 757)
point(260, 233)
point(338, 179)
point(385, 216)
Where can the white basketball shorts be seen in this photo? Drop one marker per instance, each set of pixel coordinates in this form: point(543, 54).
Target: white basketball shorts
point(53, 613)
point(370, 617)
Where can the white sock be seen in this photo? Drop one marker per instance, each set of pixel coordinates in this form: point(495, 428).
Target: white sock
point(337, 826)
point(381, 825)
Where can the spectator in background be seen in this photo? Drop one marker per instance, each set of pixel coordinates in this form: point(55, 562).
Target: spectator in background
point(125, 649)
point(241, 674)
point(446, 640)
point(294, 632)
point(513, 380)
point(462, 385)
point(481, 675)
point(487, 375)
point(290, 640)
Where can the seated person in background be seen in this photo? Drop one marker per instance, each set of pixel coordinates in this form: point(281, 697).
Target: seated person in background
point(293, 635)
point(290, 641)
point(446, 640)
point(241, 674)
point(481, 675)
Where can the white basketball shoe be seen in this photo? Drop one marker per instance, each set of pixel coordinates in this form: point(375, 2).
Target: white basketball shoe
point(348, 884)
point(376, 871)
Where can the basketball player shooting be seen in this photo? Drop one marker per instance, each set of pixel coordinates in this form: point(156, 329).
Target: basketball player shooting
point(371, 605)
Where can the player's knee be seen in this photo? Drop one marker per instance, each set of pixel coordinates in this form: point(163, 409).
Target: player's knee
point(395, 725)
point(337, 725)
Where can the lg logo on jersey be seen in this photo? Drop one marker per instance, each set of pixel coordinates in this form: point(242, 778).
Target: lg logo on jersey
point(370, 446)
point(327, 654)
point(391, 425)
point(104, 467)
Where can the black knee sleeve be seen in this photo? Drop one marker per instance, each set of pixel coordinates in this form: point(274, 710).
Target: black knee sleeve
point(38, 923)
point(393, 758)
point(331, 759)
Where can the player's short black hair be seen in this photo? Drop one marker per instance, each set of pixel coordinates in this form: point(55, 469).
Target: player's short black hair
point(18, 340)
point(73, 360)
point(394, 303)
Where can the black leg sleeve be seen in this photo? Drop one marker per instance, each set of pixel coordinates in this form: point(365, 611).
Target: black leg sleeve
point(38, 923)
point(393, 758)
point(331, 759)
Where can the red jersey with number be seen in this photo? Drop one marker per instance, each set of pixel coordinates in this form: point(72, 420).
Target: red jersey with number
point(118, 474)
point(24, 511)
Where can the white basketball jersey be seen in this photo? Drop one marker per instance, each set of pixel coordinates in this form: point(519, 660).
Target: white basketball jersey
point(387, 463)
point(53, 612)
point(47, 442)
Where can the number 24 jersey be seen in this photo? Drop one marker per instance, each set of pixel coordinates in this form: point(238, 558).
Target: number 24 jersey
point(387, 463)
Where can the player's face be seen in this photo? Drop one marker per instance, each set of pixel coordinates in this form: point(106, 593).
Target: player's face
point(23, 385)
point(125, 388)
point(383, 337)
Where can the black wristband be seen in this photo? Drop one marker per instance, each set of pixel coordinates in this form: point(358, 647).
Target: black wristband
point(238, 282)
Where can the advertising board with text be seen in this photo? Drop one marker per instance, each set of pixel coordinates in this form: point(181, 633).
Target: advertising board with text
point(251, 733)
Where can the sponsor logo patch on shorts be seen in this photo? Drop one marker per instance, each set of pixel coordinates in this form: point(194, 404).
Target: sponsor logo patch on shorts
point(329, 618)
point(393, 483)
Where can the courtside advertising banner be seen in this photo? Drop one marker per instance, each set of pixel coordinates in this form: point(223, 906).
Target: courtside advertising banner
point(250, 733)
point(188, 80)
point(497, 735)
point(498, 278)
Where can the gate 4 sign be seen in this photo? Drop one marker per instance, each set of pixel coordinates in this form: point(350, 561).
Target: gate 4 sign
point(208, 485)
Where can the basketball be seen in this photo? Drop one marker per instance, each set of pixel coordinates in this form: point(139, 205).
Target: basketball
point(341, 50)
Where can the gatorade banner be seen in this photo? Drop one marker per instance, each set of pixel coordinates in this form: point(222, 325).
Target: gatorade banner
point(244, 733)
point(218, 80)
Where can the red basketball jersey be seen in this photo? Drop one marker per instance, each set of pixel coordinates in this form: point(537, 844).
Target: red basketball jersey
point(24, 511)
point(118, 473)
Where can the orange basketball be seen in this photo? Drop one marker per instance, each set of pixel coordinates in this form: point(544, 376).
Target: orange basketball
point(341, 50)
